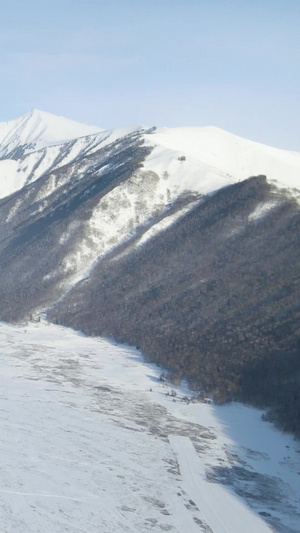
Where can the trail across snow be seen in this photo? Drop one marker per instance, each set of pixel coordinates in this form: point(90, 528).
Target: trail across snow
point(222, 511)
point(92, 440)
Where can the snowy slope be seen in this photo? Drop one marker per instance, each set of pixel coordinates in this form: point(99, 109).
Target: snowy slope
point(216, 158)
point(92, 441)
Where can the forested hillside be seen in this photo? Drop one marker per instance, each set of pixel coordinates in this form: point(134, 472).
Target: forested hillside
point(214, 298)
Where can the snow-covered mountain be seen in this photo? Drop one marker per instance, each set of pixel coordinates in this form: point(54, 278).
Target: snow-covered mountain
point(191, 159)
point(55, 153)
point(175, 240)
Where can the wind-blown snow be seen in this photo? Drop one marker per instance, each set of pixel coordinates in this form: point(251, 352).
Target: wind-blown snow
point(92, 441)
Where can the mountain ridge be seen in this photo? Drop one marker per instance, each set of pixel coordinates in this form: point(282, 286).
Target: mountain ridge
point(200, 159)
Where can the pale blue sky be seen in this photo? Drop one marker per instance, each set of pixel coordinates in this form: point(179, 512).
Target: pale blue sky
point(234, 64)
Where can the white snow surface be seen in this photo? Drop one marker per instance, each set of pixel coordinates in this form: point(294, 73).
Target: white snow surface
point(216, 158)
point(92, 441)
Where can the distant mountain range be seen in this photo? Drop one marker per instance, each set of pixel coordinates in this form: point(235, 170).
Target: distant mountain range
point(183, 241)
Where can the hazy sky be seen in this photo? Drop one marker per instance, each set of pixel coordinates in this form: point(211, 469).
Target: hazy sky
point(231, 64)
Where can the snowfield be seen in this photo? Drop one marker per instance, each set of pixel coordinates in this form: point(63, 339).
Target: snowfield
point(215, 158)
point(93, 441)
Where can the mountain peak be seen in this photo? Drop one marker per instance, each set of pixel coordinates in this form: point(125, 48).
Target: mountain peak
point(38, 129)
